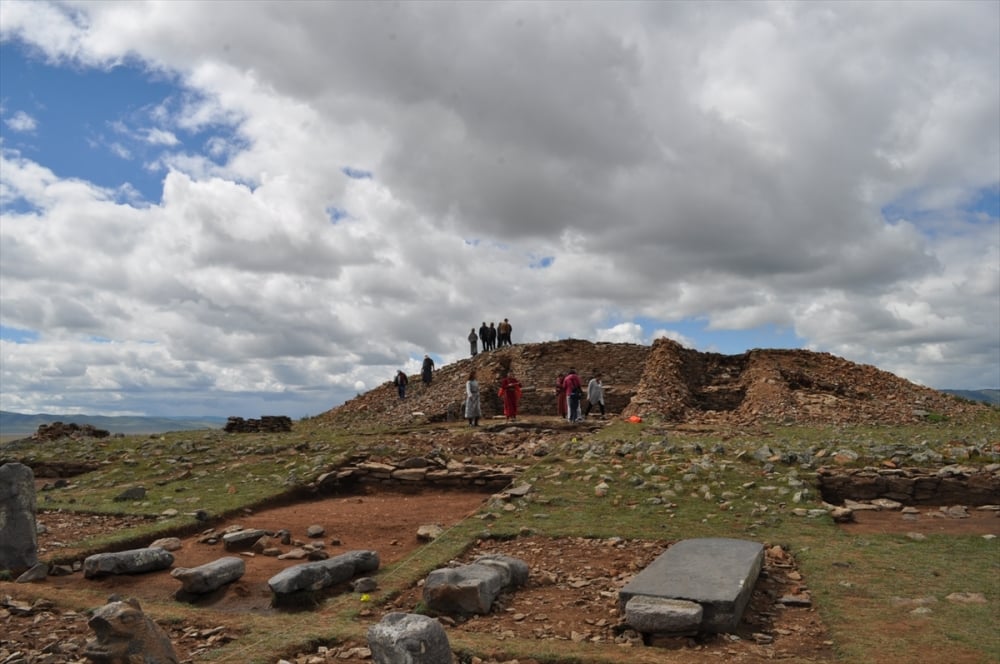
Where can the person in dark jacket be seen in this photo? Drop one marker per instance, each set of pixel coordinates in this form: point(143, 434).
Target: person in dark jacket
point(401, 380)
point(492, 344)
point(427, 370)
point(574, 391)
point(484, 336)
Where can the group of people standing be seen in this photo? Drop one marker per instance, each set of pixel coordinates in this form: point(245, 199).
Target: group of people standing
point(569, 394)
point(509, 393)
point(491, 337)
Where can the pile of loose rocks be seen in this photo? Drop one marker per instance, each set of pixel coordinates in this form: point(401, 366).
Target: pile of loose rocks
point(266, 424)
point(668, 382)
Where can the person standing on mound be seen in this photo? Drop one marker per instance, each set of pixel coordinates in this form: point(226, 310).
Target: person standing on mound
point(574, 391)
point(473, 338)
point(510, 393)
point(401, 381)
point(427, 370)
point(595, 395)
point(561, 395)
point(473, 411)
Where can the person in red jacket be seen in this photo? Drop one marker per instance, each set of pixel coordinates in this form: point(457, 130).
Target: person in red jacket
point(561, 395)
point(574, 391)
point(510, 393)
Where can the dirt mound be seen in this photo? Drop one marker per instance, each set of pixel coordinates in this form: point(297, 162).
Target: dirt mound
point(669, 382)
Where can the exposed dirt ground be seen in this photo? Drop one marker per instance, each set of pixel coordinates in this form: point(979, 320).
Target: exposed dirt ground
point(930, 520)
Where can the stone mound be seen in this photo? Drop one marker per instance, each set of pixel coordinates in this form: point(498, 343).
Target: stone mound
point(59, 430)
point(667, 382)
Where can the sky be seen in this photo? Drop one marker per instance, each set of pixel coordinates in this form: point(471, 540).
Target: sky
point(247, 208)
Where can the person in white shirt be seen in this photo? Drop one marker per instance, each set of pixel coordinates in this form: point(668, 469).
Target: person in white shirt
point(595, 395)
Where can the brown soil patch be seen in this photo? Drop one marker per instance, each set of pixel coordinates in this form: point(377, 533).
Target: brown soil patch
point(930, 521)
point(386, 523)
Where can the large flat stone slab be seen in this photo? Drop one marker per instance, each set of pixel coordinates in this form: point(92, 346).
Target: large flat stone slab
point(718, 573)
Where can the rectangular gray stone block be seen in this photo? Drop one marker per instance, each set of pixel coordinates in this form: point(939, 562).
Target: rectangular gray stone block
point(655, 615)
point(716, 572)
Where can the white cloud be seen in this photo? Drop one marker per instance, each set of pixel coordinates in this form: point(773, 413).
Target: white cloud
point(21, 121)
point(161, 137)
point(727, 163)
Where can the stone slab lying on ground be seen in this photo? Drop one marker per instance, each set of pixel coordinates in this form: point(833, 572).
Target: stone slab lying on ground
point(323, 573)
point(716, 572)
point(656, 615)
point(473, 588)
point(210, 576)
point(242, 539)
point(133, 561)
point(409, 638)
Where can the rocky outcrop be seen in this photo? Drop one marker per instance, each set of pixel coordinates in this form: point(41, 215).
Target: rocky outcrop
point(58, 430)
point(266, 424)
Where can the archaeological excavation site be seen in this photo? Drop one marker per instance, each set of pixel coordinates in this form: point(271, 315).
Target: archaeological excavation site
point(774, 505)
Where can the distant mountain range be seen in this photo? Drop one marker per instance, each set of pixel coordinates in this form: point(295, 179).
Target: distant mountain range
point(991, 397)
point(15, 424)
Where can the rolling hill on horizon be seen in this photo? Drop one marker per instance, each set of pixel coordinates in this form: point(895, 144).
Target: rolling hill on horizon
point(13, 424)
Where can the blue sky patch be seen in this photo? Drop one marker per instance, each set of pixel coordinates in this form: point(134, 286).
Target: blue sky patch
point(336, 214)
point(726, 342)
point(357, 173)
point(17, 335)
point(109, 127)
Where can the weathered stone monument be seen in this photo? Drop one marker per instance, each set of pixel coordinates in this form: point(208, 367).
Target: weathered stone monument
point(697, 585)
point(210, 576)
point(472, 588)
point(322, 573)
point(409, 638)
point(133, 561)
point(18, 534)
point(126, 635)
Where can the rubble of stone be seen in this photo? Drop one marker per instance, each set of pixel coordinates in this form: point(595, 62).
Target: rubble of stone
point(18, 534)
point(952, 484)
point(672, 383)
point(58, 430)
point(125, 635)
point(323, 573)
point(680, 384)
point(472, 589)
point(426, 470)
point(133, 561)
point(409, 638)
point(266, 424)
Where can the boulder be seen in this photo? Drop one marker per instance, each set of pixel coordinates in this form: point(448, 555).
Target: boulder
point(323, 573)
point(133, 561)
point(210, 576)
point(408, 638)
